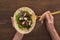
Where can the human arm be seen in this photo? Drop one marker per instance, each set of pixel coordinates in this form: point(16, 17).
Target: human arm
point(50, 25)
point(17, 36)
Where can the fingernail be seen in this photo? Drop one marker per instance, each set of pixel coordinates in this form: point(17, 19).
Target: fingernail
point(46, 14)
point(48, 11)
point(11, 17)
point(41, 22)
point(40, 19)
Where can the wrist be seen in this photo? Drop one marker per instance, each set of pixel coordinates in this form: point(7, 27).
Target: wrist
point(54, 34)
point(18, 36)
point(50, 27)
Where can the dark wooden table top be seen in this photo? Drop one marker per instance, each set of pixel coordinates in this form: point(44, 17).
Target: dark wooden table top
point(8, 7)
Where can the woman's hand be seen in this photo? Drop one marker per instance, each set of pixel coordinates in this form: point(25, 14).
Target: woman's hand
point(50, 25)
point(49, 19)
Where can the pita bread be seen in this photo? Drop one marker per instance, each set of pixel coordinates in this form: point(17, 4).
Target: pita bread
point(33, 17)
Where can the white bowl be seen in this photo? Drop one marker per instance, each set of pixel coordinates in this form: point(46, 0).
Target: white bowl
point(25, 31)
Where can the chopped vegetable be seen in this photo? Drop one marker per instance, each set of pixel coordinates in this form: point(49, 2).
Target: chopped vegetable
point(24, 20)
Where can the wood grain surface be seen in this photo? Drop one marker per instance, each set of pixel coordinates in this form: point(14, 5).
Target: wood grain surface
point(8, 7)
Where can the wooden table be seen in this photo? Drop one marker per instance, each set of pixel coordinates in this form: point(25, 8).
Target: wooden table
point(8, 7)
